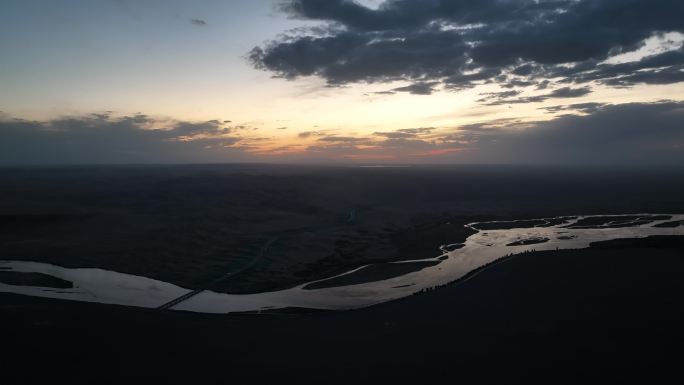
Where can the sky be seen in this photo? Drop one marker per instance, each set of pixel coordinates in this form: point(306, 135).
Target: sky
point(342, 81)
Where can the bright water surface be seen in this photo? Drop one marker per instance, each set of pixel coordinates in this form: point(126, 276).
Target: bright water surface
point(484, 247)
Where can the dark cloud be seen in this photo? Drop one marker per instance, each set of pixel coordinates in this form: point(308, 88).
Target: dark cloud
point(417, 131)
point(662, 68)
point(565, 92)
point(198, 22)
point(308, 134)
point(668, 75)
point(460, 44)
point(418, 88)
point(395, 135)
point(351, 56)
point(342, 139)
point(636, 133)
point(416, 14)
point(406, 133)
point(189, 130)
point(587, 108)
point(100, 138)
point(488, 126)
point(487, 96)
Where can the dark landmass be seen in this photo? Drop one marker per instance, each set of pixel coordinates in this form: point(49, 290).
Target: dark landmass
point(282, 311)
point(605, 315)
point(616, 221)
point(555, 221)
point(189, 225)
point(33, 279)
point(419, 241)
point(652, 242)
point(14, 222)
point(670, 224)
point(452, 247)
point(372, 273)
point(509, 224)
point(519, 224)
point(528, 241)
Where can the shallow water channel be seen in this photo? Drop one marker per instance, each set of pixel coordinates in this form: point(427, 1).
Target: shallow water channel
point(482, 248)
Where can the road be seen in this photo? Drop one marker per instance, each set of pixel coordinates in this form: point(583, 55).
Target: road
point(264, 249)
point(209, 285)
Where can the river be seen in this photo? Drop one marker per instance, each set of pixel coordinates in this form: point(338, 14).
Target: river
point(480, 249)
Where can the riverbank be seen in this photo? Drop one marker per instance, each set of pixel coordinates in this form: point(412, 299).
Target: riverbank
point(610, 314)
point(371, 273)
point(190, 225)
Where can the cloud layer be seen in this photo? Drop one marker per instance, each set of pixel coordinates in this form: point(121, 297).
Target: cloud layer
point(462, 43)
point(590, 133)
point(634, 133)
point(101, 138)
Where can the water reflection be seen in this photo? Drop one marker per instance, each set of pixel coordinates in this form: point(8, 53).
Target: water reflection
point(499, 239)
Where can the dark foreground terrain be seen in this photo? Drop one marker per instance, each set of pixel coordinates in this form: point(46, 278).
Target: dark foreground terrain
point(608, 315)
point(189, 225)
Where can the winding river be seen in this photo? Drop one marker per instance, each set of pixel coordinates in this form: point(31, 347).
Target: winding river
point(484, 247)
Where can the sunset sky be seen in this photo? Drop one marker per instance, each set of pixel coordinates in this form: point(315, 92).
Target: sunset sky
point(396, 81)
